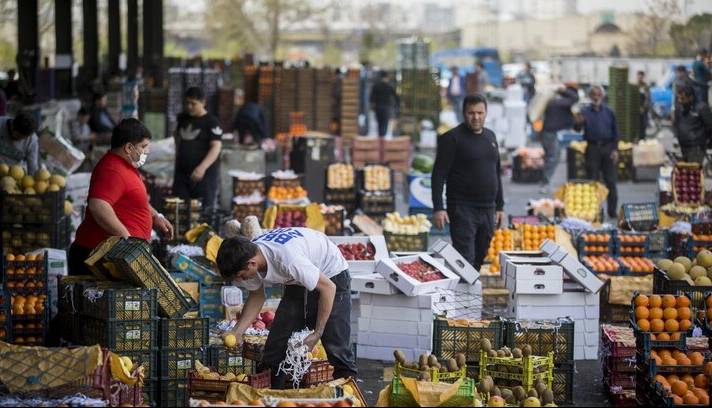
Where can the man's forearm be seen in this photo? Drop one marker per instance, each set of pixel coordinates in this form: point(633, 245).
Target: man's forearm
point(326, 304)
point(107, 219)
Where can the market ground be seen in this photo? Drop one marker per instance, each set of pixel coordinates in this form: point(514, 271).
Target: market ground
point(588, 388)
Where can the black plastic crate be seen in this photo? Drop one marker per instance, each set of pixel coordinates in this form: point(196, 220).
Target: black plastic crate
point(563, 384)
point(134, 259)
point(662, 285)
point(5, 315)
point(177, 364)
point(101, 301)
point(377, 202)
point(522, 175)
point(67, 288)
point(184, 333)
point(644, 344)
point(20, 238)
point(47, 208)
point(150, 393)
point(450, 340)
point(544, 337)
point(225, 360)
point(172, 393)
point(147, 358)
point(131, 335)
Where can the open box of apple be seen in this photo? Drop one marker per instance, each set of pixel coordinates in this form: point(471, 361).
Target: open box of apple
point(688, 184)
point(362, 253)
point(417, 274)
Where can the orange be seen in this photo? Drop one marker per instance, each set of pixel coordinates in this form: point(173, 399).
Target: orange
point(669, 301)
point(683, 301)
point(671, 325)
point(701, 381)
point(669, 313)
point(699, 392)
point(676, 400)
point(675, 336)
point(658, 360)
point(659, 378)
point(708, 369)
point(705, 400)
point(669, 361)
point(656, 301)
point(689, 380)
point(663, 337)
point(690, 399)
point(679, 388)
point(684, 361)
point(678, 354)
point(642, 312)
point(683, 313)
point(697, 358)
point(656, 313)
point(657, 325)
point(664, 353)
point(685, 325)
point(644, 325)
point(673, 378)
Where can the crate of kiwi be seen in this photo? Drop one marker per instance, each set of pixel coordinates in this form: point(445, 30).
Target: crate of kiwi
point(429, 368)
point(516, 366)
point(497, 395)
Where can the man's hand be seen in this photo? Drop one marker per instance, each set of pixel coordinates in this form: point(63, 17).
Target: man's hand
point(197, 174)
point(311, 340)
point(440, 218)
point(163, 225)
point(238, 335)
point(614, 156)
point(499, 218)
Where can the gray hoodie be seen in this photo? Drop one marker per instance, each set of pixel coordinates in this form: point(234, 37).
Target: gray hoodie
point(24, 152)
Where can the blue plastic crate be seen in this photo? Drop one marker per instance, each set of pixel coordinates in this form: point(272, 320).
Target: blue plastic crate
point(195, 270)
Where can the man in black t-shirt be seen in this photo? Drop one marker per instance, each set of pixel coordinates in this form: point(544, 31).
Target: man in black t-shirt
point(198, 144)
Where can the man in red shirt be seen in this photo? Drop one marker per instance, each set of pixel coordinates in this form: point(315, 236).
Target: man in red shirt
point(118, 202)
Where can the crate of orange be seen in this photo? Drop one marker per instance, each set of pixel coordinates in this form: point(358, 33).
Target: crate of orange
point(635, 265)
point(671, 390)
point(598, 243)
point(706, 316)
point(502, 241)
point(534, 235)
point(671, 361)
point(661, 321)
point(602, 264)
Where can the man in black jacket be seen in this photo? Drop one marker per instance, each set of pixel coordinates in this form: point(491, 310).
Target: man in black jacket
point(692, 125)
point(384, 102)
point(557, 117)
point(468, 161)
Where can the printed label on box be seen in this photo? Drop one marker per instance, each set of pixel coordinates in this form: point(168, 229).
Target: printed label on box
point(132, 306)
point(185, 364)
point(234, 361)
point(133, 335)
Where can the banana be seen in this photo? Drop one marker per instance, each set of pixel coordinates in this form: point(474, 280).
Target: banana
point(120, 371)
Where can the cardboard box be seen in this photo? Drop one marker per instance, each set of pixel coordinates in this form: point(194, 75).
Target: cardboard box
point(535, 279)
point(373, 283)
point(59, 153)
point(411, 286)
point(455, 261)
point(396, 313)
point(364, 267)
point(509, 266)
point(395, 326)
point(572, 266)
point(549, 312)
point(427, 301)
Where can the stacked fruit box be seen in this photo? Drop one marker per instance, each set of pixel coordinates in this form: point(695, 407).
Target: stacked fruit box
point(183, 342)
point(617, 351)
point(305, 95)
point(25, 303)
point(182, 215)
point(350, 105)
point(451, 337)
point(341, 187)
point(396, 152)
point(202, 272)
point(325, 104)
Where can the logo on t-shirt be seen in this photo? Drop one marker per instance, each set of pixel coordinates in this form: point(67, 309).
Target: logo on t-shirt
point(217, 130)
point(280, 236)
point(187, 133)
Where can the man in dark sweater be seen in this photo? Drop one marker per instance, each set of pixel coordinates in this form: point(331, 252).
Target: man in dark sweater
point(692, 125)
point(600, 132)
point(468, 161)
point(384, 102)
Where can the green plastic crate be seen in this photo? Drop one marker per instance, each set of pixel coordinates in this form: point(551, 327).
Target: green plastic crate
point(465, 396)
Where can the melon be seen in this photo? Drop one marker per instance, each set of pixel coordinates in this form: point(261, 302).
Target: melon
point(665, 264)
point(4, 169)
point(17, 172)
point(677, 271)
point(58, 180)
point(704, 258)
point(42, 174)
point(697, 271)
point(8, 183)
point(703, 281)
point(684, 261)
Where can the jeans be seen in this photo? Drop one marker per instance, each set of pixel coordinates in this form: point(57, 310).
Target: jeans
point(206, 189)
point(471, 230)
point(552, 151)
point(693, 154)
point(456, 102)
point(292, 316)
point(383, 116)
point(599, 162)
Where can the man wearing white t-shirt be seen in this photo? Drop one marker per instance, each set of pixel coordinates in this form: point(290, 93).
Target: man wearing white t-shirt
point(312, 268)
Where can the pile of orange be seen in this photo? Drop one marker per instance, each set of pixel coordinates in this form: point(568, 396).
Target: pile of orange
point(677, 358)
point(13, 259)
point(665, 315)
point(534, 235)
point(502, 241)
point(601, 263)
point(632, 244)
point(638, 264)
point(686, 390)
point(631, 239)
point(286, 193)
point(596, 238)
point(28, 305)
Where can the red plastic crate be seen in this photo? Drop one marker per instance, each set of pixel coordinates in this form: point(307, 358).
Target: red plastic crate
point(320, 372)
point(612, 343)
point(116, 392)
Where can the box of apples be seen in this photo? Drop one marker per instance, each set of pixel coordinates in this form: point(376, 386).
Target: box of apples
point(362, 253)
point(688, 184)
point(417, 274)
point(288, 216)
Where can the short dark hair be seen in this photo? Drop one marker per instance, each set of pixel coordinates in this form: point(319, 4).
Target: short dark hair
point(685, 89)
point(24, 124)
point(83, 111)
point(473, 100)
point(233, 256)
point(681, 68)
point(129, 131)
point(98, 95)
point(194, 93)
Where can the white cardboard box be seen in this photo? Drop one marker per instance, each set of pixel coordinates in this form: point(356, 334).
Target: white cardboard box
point(396, 313)
point(572, 266)
point(580, 352)
point(534, 278)
point(455, 261)
point(373, 283)
point(504, 256)
point(411, 286)
point(364, 267)
point(426, 301)
point(549, 312)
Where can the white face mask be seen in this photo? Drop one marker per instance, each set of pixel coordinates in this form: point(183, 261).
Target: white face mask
point(141, 160)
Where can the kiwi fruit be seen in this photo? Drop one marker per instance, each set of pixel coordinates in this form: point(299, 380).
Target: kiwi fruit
point(496, 392)
point(487, 385)
point(508, 396)
point(532, 393)
point(547, 397)
point(485, 345)
point(452, 365)
point(501, 353)
point(540, 388)
point(423, 360)
point(432, 361)
point(399, 356)
point(461, 360)
point(491, 354)
point(517, 353)
point(519, 393)
point(424, 376)
point(424, 368)
point(527, 351)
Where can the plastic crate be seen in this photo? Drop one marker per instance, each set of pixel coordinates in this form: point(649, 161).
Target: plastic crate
point(47, 208)
point(640, 216)
point(650, 368)
point(177, 364)
point(224, 360)
point(644, 343)
point(640, 249)
point(362, 178)
point(67, 287)
point(465, 395)
point(615, 348)
point(377, 202)
point(172, 393)
point(556, 336)
point(562, 384)
point(320, 372)
point(521, 175)
point(184, 334)
point(334, 223)
point(211, 294)
point(5, 315)
point(664, 286)
point(135, 261)
point(618, 365)
point(450, 340)
point(406, 243)
point(347, 197)
point(618, 380)
point(195, 270)
point(241, 211)
point(213, 312)
point(118, 335)
point(21, 238)
point(216, 390)
point(247, 187)
point(435, 375)
point(116, 303)
point(530, 369)
point(658, 243)
point(147, 358)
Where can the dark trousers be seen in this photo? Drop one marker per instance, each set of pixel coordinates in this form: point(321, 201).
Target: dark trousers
point(206, 190)
point(471, 230)
point(552, 154)
point(599, 163)
point(75, 260)
point(292, 316)
point(693, 154)
point(383, 116)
